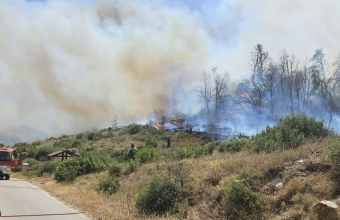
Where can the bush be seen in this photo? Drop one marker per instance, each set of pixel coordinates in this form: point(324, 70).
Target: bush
point(120, 155)
point(288, 133)
point(334, 146)
point(94, 136)
point(239, 201)
point(48, 167)
point(308, 126)
point(201, 150)
point(115, 170)
point(44, 151)
point(160, 196)
point(69, 169)
point(146, 155)
point(131, 167)
point(33, 168)
point(63, 144)
point(151, 142)
point(133, 129)
point(80, 136)
point(109, 185)
point(210, 148)
point(28, 151)
point(182, 153)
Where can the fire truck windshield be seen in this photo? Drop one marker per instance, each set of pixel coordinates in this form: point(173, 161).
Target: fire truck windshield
point(4, 156)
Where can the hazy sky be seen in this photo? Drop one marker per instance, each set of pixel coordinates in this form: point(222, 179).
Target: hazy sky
point(68, 66)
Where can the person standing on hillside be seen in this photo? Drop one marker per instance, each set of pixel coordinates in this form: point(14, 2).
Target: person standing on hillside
point(169, 141)
point(132, 151)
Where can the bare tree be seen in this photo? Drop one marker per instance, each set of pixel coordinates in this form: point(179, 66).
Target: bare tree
point(220, 92)
point(288, 66)
point(270, 80)
point(213, 91)
point(204, 91)
point(259, 60)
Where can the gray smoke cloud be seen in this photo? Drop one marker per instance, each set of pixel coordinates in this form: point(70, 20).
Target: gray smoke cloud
point(70, 66)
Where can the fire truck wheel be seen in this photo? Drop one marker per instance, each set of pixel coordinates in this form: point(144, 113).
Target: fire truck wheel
point(7, 177)
point(1, 177)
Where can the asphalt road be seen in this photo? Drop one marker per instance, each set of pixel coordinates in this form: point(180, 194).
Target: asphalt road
point(26, 201)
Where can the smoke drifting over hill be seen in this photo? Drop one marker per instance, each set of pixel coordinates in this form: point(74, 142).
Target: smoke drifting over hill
point(70, 66)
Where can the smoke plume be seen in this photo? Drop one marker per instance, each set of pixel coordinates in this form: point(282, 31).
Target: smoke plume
point(70, 66)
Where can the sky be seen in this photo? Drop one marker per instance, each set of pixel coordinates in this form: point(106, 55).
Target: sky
point(68, 66)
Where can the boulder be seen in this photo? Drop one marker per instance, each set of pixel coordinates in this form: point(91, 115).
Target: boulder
point(325, 210)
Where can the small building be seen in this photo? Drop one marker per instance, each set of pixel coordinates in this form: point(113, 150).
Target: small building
point(63, 154)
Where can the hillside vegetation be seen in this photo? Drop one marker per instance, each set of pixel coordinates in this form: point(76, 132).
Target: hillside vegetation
point(277, 174)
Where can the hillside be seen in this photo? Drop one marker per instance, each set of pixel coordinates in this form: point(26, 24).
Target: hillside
point(234, 179)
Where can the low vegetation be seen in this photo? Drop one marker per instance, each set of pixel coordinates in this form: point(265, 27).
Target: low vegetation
point(232, 179)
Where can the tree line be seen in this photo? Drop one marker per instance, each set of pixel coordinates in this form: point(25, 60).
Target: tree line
point(275, 88)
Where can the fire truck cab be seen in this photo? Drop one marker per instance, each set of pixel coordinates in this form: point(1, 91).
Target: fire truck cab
point(8, 161)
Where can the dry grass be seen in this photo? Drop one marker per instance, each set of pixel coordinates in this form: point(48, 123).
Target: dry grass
point(207, 175)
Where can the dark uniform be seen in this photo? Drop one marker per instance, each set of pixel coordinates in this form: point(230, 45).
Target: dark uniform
point(132, 151)
point(169, 141)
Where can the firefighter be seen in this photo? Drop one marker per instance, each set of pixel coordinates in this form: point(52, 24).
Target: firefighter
point(190, 130)
point(132, 151)
point(15, 154)
point(169, 141)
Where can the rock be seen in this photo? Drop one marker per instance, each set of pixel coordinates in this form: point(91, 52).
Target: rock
point(325, 210)
point(279, 186)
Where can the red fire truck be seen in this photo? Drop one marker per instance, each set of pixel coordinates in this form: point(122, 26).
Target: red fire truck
point(9, 160)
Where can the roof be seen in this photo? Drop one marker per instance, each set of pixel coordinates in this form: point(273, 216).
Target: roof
point(58, 153)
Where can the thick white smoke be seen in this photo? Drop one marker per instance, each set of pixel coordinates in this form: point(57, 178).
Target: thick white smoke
point(69, 66)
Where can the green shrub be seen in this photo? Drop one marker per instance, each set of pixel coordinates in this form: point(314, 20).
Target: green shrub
point(108, 134)
point(210, 148)
point(309, 126)
point(120, 155)
point(334, 145)
point(131, 167)
point(43, 151)
point(64, 136)
point(35, 143)
point(200, 150)
point(142, 136)
point(94, 136)
point(160, 196)
point(28, 151)
point(80, 136)
point(48, 167)
point(146, 155)
point(33, 168)
point(63, 144)
point(239, 201)
point(182, 135)
point(249, 179)
point(69, 169)
point(151, 142)
point(117, 139)
point(290, 132)
point(182, 153)
point(109, 185)
point(115, 170)
point(133, 129)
